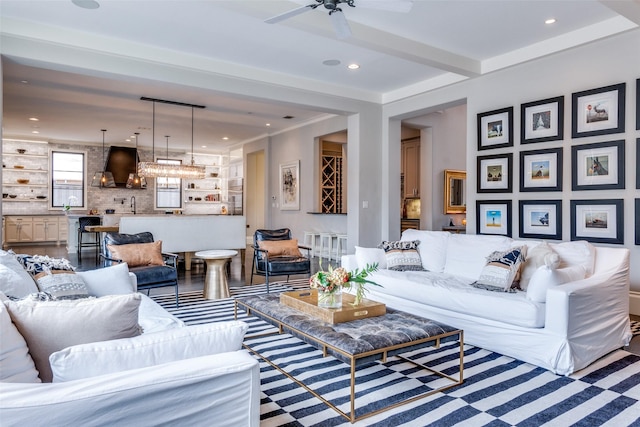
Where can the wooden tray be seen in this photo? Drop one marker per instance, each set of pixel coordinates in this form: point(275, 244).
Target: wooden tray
point(306, 301)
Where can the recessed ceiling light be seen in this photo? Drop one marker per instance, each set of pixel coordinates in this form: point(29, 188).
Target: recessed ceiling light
point(268, 124)
point(203, 146)
point(26, 82)
point(353, 66)
point(226, 138)
point(86, 4)
point(34, 119)
point(35, 131)
point(127, 140)
point(550, 21)
point(331, 62)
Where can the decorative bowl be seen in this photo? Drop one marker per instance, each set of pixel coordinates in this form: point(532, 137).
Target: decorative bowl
point(13, 196)
point(41, 197)
point(109, 211)
point(214, 174)
point(21, 150)
point(22, 181)
point(18, 167)
point(5, 195)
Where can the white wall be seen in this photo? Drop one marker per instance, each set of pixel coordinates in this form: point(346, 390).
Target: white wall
point(606, 62)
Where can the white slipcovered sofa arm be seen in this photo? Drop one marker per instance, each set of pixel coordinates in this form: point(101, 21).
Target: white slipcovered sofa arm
point(349, 262)
point(216, 389)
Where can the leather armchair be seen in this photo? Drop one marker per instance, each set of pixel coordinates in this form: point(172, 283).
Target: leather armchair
point(149, 276)
point(267, 265)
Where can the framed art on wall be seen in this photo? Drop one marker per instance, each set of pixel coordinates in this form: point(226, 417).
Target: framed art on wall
point(495, 129)
point(290, 186)
point(541, 170)
point(598, 221)
point(638, 104)
point(598, 111)
point(495, 173)
point(637, 163)
point(541, 219)
point(598, 166)
point(542, 120)
point(493, 217)
point(637, 221)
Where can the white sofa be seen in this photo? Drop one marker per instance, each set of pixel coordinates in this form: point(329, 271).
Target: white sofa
point(170, 374)
point(571, 325)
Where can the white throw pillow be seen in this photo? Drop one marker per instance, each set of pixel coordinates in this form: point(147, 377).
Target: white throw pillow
point(370, 256)
point(579, 252)
point(16, 364)
point(467, 253)
point(49, 326)
point(534, 260)
point(14, 280)
point(100, 358)
point(545, 278)
point(113, 280)
point(432, 247)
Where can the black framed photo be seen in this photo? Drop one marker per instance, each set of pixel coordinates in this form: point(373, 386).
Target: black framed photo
point(637, 163)
point(493, 217)
point(638, 104)
point(598, 166)
point(495, 129)
point(495, 173)
point(598, 111)
point(637, 221)
point(542, 121)
point(541, 219)
point(541, 170)
point(598, 221)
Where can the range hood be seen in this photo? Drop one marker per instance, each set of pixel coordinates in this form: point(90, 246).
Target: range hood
point(122, 163)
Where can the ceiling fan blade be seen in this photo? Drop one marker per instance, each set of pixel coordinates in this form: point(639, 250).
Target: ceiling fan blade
point(289, 14)
point(340, 24)
point(388, 5)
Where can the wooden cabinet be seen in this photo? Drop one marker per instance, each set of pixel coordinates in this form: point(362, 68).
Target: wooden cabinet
point(19, 229)
point(46, 229)
point(35, 229)
point(411, 168)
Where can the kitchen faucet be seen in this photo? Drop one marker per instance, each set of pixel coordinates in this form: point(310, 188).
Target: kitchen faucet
point(133, 204)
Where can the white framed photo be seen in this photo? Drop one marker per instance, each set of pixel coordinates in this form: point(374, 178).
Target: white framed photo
point(290, 186)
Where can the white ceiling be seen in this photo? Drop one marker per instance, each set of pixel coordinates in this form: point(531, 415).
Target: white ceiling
point(400, 54)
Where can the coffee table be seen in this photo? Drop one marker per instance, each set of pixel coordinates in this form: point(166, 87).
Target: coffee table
point(215, 283)
point(356, 343)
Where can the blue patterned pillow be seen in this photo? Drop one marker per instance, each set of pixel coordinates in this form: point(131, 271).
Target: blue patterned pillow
point(402, 255)
point(501, 269)
point(36, 264)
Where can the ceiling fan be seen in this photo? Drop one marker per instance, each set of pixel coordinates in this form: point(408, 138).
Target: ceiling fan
point(338, 20)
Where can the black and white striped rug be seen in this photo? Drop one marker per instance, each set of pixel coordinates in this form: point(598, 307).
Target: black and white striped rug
point(497, 390)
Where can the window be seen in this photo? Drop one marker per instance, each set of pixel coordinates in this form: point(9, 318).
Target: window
point(68, 179)
point(168, 190)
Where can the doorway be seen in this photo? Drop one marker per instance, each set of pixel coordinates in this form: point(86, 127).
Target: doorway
point(255, 193)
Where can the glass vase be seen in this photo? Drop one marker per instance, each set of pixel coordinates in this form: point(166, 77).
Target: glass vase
point(330, 299)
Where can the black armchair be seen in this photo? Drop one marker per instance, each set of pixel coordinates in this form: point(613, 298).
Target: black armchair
point(278, 259)
point(148, 276)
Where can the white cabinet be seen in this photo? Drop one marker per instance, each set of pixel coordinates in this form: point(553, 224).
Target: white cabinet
point(46, 229)
point(19, 229)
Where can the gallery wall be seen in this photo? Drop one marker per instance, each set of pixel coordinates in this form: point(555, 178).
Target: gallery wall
point(608, 62)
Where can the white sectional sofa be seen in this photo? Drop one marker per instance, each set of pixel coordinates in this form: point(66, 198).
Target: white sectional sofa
point(170, 374)
point(569, 315)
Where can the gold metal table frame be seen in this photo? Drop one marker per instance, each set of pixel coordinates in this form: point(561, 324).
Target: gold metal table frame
point(351, 417)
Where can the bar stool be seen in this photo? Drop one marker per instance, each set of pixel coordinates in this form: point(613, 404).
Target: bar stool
point(310, 240)
point(83, 223)
point(326, 244)
point(341, 245)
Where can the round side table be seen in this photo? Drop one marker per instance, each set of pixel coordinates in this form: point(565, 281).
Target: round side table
point(215, 284)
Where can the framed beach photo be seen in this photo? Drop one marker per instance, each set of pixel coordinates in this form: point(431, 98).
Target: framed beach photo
point(541, 170)
point(598, 221)
point(598, 166)
point(493, 217)
point(542, 120)
point(598, 111)
point(290, 186)
point(637, 221)
point(495, 173)
point(637, 163)
point(638, 104)
point(541, 219)
point(495, 129)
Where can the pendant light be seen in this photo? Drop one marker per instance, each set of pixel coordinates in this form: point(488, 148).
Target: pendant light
point(155, 169)
point(134, 180)
point(103, 178)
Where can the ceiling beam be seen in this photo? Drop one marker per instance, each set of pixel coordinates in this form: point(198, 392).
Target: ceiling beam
point(630, 9)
